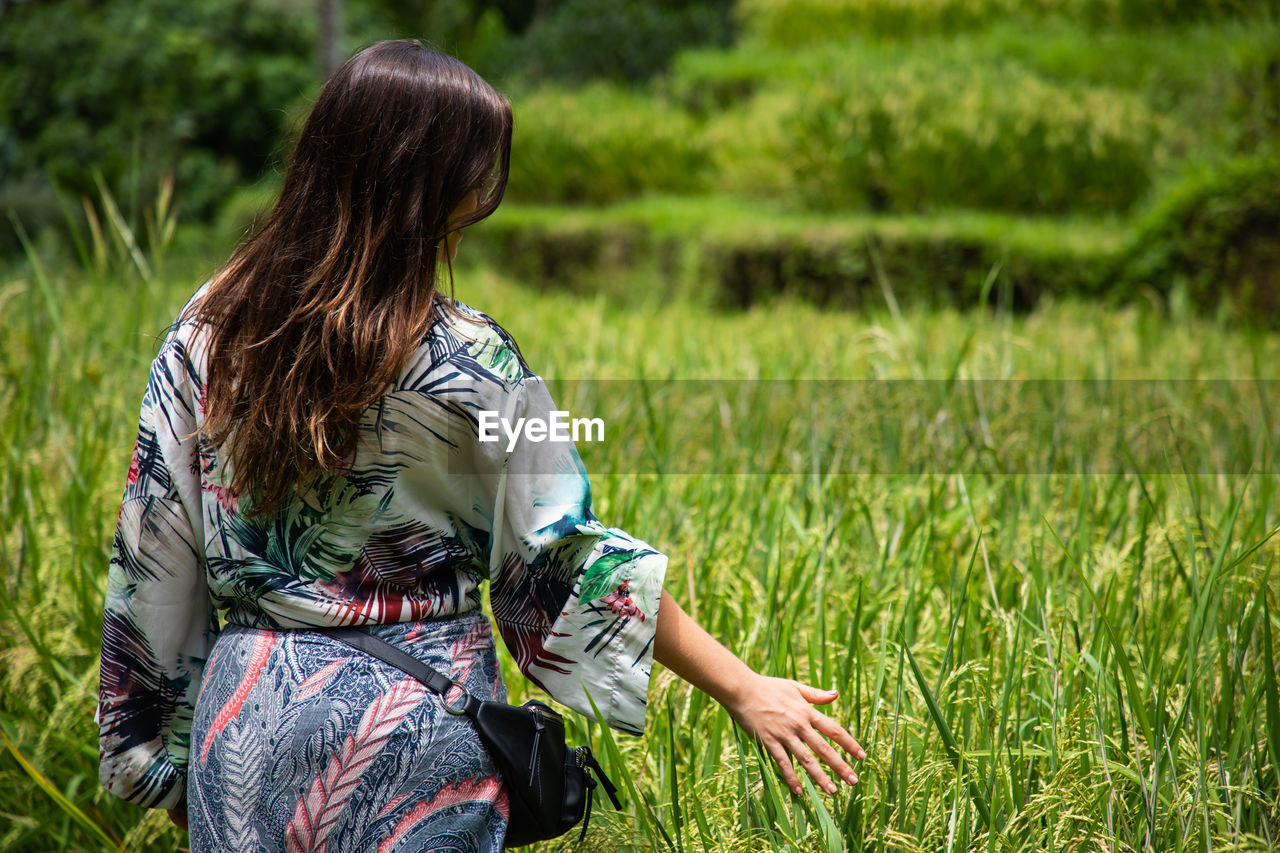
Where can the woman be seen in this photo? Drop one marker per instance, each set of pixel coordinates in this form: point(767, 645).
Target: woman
point(308, 457)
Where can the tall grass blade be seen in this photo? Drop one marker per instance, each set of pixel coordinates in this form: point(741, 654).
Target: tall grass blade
point(69, 808)
point(827, 829)
point(771, 792)
point(1269, 680)
point(617, 764)
point(1137, 703)
point(948, 739)
point(672, 767)
point(51, 302)
point(122, 230)
point(886, 288)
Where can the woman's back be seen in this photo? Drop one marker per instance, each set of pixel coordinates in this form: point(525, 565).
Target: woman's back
point(402, 537)
point(310, 455)
point(402, 533)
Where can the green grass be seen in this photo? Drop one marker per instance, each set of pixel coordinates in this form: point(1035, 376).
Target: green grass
point(1032, 661)
point(1012, 113)
point(721, 218)
point(797, 22)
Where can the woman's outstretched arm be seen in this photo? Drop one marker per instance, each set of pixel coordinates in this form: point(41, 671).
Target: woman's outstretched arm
point(778, 712)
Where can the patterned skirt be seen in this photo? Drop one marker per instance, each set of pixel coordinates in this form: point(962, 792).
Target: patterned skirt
point(302, 743)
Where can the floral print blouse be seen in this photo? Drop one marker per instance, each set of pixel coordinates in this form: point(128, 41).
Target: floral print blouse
point(406, 533)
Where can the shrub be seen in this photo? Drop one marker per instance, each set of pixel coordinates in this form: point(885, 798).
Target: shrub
point(791, 23)
point(908, 136)
point(601, 143)
point(741, 255)
point(247, 207)
point(708, 81)
point(1198, 88)
point(1249, 93)
point(1218, 230)
point(34, 203)
point(140, 89)
point(1220, 81)
point(750, 150)
point(794, 23)
point(625, 41)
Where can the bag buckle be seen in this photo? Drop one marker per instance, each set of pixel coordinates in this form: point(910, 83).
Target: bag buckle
point(464, 699)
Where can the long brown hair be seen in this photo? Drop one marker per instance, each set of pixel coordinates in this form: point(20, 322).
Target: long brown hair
point(313, 317)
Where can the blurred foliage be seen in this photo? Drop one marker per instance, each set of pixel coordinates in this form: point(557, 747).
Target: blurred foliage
point(618, 40)
point(208, 90)
point(822, 110)
point(520, 43)
point(792, 23)
point(245, 207)
point(136, 90)
point(469, 30)
point(453, 24)
point(1219, 229)
point(601, 143)
point(1211, 238)
point(1195, 66)
point(988, 135)
point(740, 255)
point(1003, 118)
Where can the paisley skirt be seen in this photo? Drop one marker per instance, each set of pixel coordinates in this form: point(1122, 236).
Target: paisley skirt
point(302, 743)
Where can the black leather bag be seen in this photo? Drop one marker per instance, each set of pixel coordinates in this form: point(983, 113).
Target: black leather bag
point(548, 784)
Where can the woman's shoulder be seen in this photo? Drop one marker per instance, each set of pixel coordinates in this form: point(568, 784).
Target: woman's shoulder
point(180, 359)
point(472, 342)
point(185, 329)
point(469, 318)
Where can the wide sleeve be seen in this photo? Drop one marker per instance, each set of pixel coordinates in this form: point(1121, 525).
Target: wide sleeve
point(158, 622)
point(575, 602)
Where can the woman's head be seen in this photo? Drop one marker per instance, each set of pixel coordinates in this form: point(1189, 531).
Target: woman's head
point(315, 314)
point(398, 137)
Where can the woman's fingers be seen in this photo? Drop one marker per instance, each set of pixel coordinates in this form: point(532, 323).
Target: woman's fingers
point(806, 750)
point(783, 719)
point(828, 726)
point(830, 757)
point(811, 744)
point(814, 695)
point(783, 753)
point(810, 763)
point(783, 760)
point(840, 735)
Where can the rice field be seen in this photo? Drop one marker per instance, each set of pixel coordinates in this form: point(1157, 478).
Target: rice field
point(1066, 655)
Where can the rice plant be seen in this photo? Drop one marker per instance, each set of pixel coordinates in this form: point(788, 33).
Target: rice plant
point(1080, 657)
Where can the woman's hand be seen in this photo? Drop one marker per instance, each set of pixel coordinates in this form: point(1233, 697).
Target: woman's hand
point(178, 816)
point(779, 713)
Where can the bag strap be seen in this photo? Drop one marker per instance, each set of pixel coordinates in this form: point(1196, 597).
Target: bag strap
point(432, 678)
point(387, 653)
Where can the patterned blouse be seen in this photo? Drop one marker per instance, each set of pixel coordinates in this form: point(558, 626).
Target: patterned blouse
point(405, 534)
